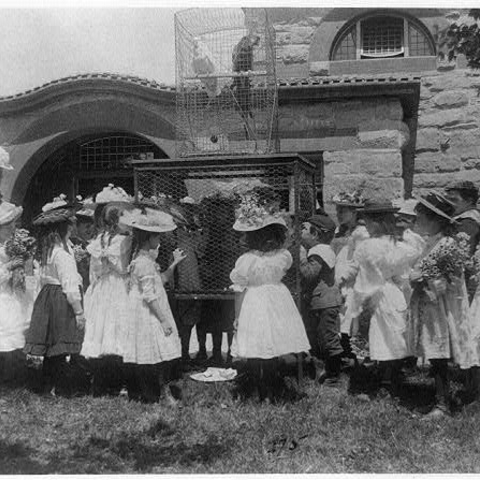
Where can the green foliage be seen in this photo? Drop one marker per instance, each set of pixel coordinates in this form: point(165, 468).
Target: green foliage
point(464, 39)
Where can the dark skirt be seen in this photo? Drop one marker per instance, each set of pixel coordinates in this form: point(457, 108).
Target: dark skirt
point(53, 328)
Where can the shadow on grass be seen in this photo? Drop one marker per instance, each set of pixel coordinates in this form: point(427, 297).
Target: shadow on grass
point(16, 458)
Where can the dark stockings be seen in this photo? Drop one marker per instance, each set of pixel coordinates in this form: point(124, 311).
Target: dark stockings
point(442, 383)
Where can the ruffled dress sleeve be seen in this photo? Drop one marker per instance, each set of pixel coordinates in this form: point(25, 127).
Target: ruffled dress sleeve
point(240, 274)
point(68, 275)
point(145, 271)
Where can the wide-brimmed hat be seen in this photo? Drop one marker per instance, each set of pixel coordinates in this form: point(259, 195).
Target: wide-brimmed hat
point(9, 212)
point(5, 160)
point(353, 199)
point(438, 204)
point(87, 208)
point(148, 219)
point(379, 205)
point(406, 207)
point(322, 222)
point(256, 223)
point(110, 193)
point(463, 185)
point(59, 210)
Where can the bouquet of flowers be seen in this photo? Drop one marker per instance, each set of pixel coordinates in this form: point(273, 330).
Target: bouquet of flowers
point(21, 245)
point(79, 253)
point(446, 260)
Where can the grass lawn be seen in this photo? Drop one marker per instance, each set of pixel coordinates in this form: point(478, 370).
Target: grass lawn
point(328, 431)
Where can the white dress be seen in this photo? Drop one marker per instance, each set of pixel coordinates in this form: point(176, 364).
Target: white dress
point(346, 269)
point(381, 262)
point(106, 299)
point(145, 342)
point(15, 308)
point(269, 323)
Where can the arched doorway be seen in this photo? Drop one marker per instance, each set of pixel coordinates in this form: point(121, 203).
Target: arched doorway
point(87, 164)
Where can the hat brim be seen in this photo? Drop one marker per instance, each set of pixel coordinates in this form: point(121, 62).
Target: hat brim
point(6, 166)
point(13, 215)
point(433, 208)
point(54, 216)
point(379, 209)
point(150, 228)
point(349, 204)
point(242, 226)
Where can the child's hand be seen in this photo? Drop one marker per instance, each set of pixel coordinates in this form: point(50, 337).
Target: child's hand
point(415, 275)
point(178, 255)
point(167, 329)
point(80, 319)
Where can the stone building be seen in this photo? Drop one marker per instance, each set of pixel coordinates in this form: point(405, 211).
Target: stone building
point(365, 93)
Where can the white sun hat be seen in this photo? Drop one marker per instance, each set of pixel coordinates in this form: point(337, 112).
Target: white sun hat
point(110, 193)
point(149, 220)
point(9, 212)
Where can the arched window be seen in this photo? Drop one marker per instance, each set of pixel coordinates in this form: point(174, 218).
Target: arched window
point(382, 36)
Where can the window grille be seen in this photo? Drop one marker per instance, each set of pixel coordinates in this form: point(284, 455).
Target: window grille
point(382, 37)
point(113, 153)
point(419, 45)
point(346, 49)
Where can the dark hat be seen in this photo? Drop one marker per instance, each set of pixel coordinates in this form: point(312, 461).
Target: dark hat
point(438, 204)
point(464, 185)
point(380, 205)
point(322, 222)
point(57, 211)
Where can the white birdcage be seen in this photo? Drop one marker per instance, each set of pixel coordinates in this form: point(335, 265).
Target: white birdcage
point(225, 82)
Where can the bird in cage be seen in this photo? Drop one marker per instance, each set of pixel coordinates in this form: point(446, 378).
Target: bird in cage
point(203, 65)
point(242, 61)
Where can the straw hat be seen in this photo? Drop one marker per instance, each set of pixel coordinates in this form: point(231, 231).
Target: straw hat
point(438, 204)
point(87, 207)
point(380, 205)
point(110, 193)
point(349, 199)
point(407, 207)
point(9, 212)
point(59, 210)
point(149, 219)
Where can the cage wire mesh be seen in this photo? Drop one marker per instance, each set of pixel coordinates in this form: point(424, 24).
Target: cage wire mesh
point(225, 82)
point(203, 195)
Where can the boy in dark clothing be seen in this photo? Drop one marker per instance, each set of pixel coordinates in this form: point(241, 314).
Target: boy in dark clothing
point(321, 295)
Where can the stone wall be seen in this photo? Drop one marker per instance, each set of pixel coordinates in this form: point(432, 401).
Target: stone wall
point(448, 135)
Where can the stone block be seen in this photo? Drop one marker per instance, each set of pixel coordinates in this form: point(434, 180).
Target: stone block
point(451, 99)
point(430, 162)
point(383, 139)
point(354, 113)
point(293, 54)
point(442, 118)
point(389, 110)
point(449, 81)
point(319, 68)
point(461, 138)
point(428, 139)
point(473, 163)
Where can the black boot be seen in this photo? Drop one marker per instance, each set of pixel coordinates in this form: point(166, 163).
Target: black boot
point(333, 365)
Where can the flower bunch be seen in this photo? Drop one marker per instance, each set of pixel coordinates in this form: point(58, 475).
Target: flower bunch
point(354, 198)
point(79, 253)
point(21, 245)
point(446, 260)
point(256, 205)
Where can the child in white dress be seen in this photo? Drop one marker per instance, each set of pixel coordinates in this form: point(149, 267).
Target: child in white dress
point(269, 324)
point(106, 301)
point(16, 300)
point(382, 260)
point(151, 339)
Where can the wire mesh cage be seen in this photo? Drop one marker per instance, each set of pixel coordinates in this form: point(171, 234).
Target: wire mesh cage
point(225, 82)
point(203, 194)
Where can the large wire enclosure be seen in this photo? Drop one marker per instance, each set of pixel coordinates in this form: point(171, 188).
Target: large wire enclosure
point(203, 193)
point(225, 82)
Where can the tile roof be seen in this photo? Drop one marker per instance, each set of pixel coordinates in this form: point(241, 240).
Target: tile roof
point(282, 83)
